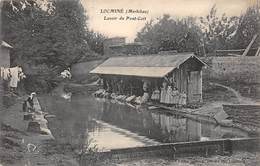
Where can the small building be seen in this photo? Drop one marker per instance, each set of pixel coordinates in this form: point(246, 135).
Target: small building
point(127, 75)
point(136, 48)
point(112, 42)
point(118, 46)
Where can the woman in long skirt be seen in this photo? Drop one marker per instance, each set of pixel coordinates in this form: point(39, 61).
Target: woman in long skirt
point(169, 96)
point(175, 94)
point(183, 99)
point(163, 92)
point(156, 95)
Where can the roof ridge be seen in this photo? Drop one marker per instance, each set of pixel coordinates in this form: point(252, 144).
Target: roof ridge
point(146, 55)
point(143, 66)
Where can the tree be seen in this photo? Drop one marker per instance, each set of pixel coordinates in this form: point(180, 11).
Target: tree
point(54, 35)
point(19, 24)
point(66, 30)
point(49, 36)
point(95, 41)
point(218, 31)
point(169, 34)
point(249, 25)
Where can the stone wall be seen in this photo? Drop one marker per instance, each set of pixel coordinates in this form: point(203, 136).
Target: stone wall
point(241, 69)
point(178, 150)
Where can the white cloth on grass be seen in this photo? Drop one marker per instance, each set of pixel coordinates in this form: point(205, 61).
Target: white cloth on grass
point(1, 72)
point(5, 73)
point(66, 74)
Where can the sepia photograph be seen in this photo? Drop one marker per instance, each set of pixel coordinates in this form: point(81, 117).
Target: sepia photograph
point(130, 83)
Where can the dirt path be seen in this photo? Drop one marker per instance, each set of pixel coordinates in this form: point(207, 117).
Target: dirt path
point(241, 99)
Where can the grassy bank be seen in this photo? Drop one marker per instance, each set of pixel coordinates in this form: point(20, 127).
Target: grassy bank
point(20, 147)
point(237, 159)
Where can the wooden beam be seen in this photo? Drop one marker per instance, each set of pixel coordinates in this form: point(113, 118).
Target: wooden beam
point(258, 52)
point(230, 54)
point(235, 50)
point(249, 46)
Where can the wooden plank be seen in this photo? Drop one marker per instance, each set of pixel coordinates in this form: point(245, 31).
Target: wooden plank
point(229, 54)
point(194, 87)
point(184, 80)
point(236, 50)
point(249, 46)
point(258, 52)
point(200, 85)
point(177, 74)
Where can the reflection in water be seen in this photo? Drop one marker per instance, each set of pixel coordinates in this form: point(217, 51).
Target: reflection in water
point(116, 125)
point(121, 138)
point(164, 127)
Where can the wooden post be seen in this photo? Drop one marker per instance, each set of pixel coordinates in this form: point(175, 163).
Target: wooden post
point(257, 52)
point(200, 85)
point(1, 94)
point(249, 46)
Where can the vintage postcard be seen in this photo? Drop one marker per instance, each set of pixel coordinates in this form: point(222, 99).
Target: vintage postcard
point(129, 82)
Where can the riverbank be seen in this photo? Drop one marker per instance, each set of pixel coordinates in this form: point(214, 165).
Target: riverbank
point(15, 138)
point(237, 159)
point(19, 147)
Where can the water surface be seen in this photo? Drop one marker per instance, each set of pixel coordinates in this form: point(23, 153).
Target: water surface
point(108, 124)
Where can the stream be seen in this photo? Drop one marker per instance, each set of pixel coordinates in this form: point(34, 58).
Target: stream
point(107, 124)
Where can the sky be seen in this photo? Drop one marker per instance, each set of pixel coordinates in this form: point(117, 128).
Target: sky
point(156, 8)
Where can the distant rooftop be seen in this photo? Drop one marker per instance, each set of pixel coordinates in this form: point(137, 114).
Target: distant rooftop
point(127, 44)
